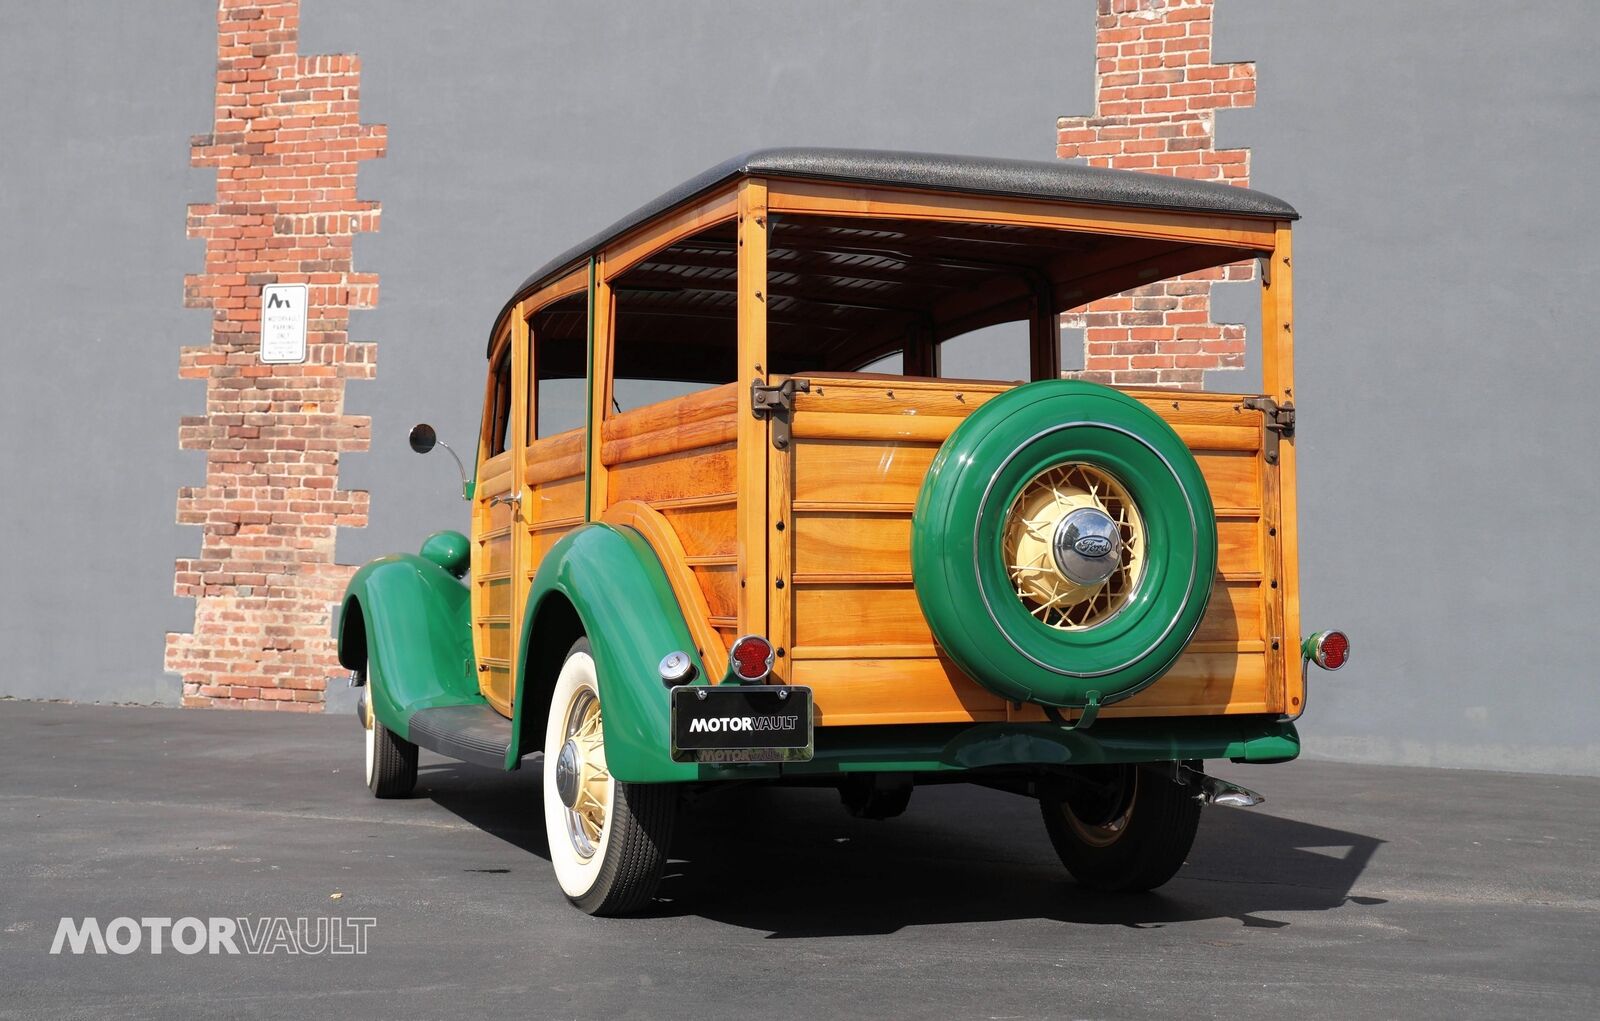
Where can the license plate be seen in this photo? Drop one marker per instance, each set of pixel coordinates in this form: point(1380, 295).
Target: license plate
point(741, 723)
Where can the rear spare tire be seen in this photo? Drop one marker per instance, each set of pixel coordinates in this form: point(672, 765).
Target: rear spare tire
point(1063, 545)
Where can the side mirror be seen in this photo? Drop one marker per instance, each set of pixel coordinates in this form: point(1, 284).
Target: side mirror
point(423, 437)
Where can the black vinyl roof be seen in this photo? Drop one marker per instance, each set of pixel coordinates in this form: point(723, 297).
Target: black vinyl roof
point(1037, 179)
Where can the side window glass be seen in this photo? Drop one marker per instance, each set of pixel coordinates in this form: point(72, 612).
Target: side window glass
point(892, 363)
point(998, 352)
point(559, 377)
point(677, 321)
point(499, 405)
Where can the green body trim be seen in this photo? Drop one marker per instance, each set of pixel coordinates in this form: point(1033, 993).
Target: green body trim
point(450, 550)
point(958, 747)
point(588, 399)
point(613, 580)
point(414, 638)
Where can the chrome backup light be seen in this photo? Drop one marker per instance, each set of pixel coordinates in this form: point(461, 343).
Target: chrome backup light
point(751, 658)
point(676, 668)
point(1329, 650)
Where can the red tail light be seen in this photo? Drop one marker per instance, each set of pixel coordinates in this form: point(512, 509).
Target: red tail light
point(1329, 650)
point(751, 658)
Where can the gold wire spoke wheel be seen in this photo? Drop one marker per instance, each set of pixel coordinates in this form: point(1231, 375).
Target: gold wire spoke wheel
point(1033, 530)
point(591, 803)
point(1109, 814)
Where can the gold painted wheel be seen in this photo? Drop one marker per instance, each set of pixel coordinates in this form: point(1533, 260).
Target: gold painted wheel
point(608, 838)
point(1038, 539)
point(589, 785)
point(1108, 814)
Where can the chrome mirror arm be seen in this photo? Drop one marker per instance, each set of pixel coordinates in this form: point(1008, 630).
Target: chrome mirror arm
point(461, 469)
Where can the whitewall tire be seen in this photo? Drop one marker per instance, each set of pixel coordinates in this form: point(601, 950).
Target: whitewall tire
point(608, 839)
point(391, 760)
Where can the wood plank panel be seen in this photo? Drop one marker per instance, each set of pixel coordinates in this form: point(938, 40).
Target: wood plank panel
point(845, 542)
point(858, 614)
point(856, 692)
point(871, 394)
point(720, 584)
point(702, 419)
point(845, 470)
point(1233, 478)
point(704, 471)
point(1233, 614)
point(1239, 547)
point(705, 531)
point(835, 199)
point(1204, 683)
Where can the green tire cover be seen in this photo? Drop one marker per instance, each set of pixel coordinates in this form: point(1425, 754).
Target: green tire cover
point(959, 570)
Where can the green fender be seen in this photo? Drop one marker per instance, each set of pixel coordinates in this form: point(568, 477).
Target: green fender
point(614, 582)
point(409, 622)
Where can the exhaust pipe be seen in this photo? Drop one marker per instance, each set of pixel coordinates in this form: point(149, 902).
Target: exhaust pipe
point(1211, 790)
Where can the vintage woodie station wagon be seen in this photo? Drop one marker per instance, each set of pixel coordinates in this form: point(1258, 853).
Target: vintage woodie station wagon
point(734, 520)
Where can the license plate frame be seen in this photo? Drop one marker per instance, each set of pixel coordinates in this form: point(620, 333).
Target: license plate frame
point(745, 723)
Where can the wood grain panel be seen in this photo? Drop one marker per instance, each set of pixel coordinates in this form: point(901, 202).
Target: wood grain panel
point(721, 585)
point(702, 419)
point(848, 470)
point(704, 531)
point(1204, 683)
point(1233, 614)
point(1233, 478)
point(855, 692)
point(844, 542)
point(559, 498)
point(705, 471)
point(858, 614)
point(1239, 546)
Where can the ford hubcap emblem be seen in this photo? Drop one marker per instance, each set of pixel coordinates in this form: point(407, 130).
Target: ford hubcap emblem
point(1086, 546)
point(1092, 546)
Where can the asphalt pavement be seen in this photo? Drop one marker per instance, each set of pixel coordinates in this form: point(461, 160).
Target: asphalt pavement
point(1355, 891)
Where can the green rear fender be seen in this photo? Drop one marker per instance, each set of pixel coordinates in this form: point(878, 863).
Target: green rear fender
point(613, 581)
point(408, 622)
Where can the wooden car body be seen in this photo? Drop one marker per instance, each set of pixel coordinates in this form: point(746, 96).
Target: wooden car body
point(789, 515)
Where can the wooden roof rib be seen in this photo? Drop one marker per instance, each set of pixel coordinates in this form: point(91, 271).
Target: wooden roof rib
point(834, 278)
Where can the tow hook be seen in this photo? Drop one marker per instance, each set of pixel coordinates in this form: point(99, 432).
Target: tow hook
point(1210, 790)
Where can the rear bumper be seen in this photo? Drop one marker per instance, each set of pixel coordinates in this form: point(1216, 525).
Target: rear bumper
point(959, 747)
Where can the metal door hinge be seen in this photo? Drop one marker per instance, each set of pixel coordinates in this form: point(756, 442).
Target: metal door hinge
point(777, 404)
point(1278, 424)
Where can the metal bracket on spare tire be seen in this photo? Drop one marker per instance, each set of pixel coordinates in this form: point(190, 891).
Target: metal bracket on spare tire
point(1091, 712)
point(777, 403)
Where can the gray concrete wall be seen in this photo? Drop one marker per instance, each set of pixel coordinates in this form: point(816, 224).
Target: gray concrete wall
point(1439, 158)
point(97, 103)
point(1442, 156)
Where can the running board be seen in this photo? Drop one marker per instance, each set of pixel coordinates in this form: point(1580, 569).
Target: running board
point(470, 733)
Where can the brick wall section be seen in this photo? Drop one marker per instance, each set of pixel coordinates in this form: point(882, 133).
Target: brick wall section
point(286, 144)
point(1157, 94)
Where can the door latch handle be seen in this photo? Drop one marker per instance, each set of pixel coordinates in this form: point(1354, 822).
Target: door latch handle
point(509, 499)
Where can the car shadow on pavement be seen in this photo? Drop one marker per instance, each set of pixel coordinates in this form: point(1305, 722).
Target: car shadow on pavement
point(504, 805)
point(792, 863)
